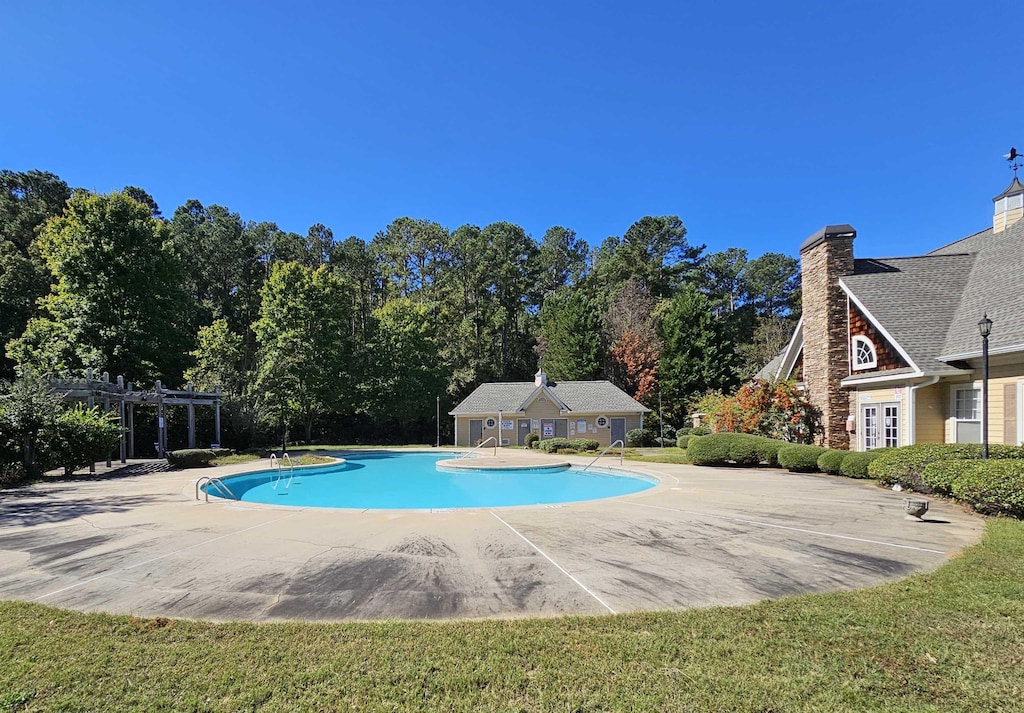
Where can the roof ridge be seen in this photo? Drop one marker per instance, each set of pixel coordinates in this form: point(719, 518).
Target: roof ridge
point(960, 240)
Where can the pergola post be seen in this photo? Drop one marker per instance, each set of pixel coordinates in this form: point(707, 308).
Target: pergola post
point(131, 430)
point(161, 435)
point(191, 420)
point(90, 402)
point(216, 418)
point(106, 406)
point(120, 413)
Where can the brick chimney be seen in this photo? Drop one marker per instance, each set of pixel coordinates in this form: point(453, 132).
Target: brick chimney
point(824, 258)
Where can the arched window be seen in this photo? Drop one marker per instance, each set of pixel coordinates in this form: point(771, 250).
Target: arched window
point(864, 353)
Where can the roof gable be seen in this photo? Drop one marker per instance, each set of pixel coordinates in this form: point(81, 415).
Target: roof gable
point(574, 396)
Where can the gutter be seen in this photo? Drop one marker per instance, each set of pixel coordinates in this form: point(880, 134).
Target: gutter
point(913, 407)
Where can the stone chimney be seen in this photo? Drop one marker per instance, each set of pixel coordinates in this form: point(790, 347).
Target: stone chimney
point(540, 378)
point(824, 258)
point(1009, 206)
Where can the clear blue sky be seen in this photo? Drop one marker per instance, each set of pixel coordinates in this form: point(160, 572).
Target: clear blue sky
point(755, 122)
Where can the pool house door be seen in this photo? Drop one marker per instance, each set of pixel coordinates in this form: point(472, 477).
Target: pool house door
point(476, 431)
point(522, 431)
point(618, 426)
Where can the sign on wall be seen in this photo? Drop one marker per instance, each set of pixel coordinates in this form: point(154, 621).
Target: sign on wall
point(549, 429)
point(507, 425)
point(535, 424)
point(581, 425)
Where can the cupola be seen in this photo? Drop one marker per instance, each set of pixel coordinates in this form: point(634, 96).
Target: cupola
point(1009, 206)
point(540, 378)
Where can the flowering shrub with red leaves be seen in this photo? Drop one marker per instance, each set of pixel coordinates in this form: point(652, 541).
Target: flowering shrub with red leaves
point(776, 409)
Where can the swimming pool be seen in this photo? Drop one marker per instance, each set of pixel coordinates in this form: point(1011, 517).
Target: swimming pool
point(403, 481)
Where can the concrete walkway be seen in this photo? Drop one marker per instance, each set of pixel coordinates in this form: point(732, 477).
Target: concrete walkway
point(142, 544)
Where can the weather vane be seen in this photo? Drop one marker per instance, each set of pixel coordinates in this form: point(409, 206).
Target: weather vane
point(1015, 160)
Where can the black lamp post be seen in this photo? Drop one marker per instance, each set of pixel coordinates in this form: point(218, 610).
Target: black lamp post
point(985, 328)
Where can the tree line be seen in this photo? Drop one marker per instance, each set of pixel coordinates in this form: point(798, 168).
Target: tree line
point(355, 340)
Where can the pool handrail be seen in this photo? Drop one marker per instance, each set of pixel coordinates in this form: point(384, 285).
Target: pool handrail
point(481, 445)
point(622, 453)
point(211, 481)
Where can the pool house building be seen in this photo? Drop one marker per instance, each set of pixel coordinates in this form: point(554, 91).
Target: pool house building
point(509, 411)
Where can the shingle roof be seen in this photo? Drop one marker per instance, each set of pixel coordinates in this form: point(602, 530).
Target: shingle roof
point(578, 396)
point(995, 287)
point(914, 300)
point(769, 370)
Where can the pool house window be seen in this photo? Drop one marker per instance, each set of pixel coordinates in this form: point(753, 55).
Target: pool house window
point(967, 414)
point(864, 356)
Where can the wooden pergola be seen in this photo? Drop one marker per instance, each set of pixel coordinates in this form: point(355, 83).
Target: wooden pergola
point(125, 397)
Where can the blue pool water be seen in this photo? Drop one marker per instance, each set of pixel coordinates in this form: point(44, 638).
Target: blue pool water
point(413, 481)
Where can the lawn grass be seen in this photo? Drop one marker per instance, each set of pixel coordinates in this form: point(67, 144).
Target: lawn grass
point(952, 640)
point(664, 455)
point(235, 458)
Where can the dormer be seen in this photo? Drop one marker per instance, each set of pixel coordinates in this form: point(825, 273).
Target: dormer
point(1009, 206)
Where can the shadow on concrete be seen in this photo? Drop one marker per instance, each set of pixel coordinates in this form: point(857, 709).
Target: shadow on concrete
point(26, 507)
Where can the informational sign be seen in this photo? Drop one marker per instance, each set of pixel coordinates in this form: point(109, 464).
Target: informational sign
point(899, 393)
point(507, 425)
point(535, 424)
point(581, 425)
point(161, 422)
point(549, 429)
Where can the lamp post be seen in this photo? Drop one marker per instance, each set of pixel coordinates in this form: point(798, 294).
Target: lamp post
point(438, 443)
point(661, 420)
point(985, 328)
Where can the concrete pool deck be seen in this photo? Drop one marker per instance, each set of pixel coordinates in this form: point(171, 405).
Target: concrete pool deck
point(143, 545)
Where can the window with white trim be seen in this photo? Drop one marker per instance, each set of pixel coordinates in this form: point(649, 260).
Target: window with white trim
point(491, 423)
point(967, 415)
point(864, 356)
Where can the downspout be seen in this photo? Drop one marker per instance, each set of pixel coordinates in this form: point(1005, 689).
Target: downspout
point(913, 407)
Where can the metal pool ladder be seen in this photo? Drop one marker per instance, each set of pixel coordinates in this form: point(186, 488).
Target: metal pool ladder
point(213, 482)
point(481, 445)
point(622, 452)
point(291, 470)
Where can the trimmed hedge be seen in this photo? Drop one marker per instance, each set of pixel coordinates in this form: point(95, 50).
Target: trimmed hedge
point(636, 437)
point(683, 440)
point(553, 445)
point(741, 449)
point(831, 460)
point(906, 465)
point(855, 465)
point(992, 487)
point(190, 457)
point(940, 475)
point(531, 440)
point(799, 458)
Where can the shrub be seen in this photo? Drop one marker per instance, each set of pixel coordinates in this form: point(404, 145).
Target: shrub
point(635, 437)
point(769, 450)
point(11, 474)
point(684, 431)
point(831, 460)
point(553, 445)
point(682, 440)
point(800, 458)
point(700, 430)
point(190, 457)
point(531, 440)
point(221, 452)
point(585, 444)
point(740, 448)
point(855, 465)
point(906, 465)
point(566, 451)
point(992, 487)
point(940, 475)
point(775, 409)
point(78, 437)
point(709, 450)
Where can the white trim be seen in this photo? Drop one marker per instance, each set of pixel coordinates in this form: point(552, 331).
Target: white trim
point(977, 355)
point(789, 356)
point(1020, 412)
point(902, 376)
point(879, 326)
point(854, 364)
point(536, 392)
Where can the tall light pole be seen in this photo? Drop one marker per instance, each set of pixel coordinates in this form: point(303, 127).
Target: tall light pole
point(985, 328)
point(438, 444)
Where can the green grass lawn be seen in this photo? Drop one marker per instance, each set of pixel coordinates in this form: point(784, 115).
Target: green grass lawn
point(664, 455)
point(948, 640)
